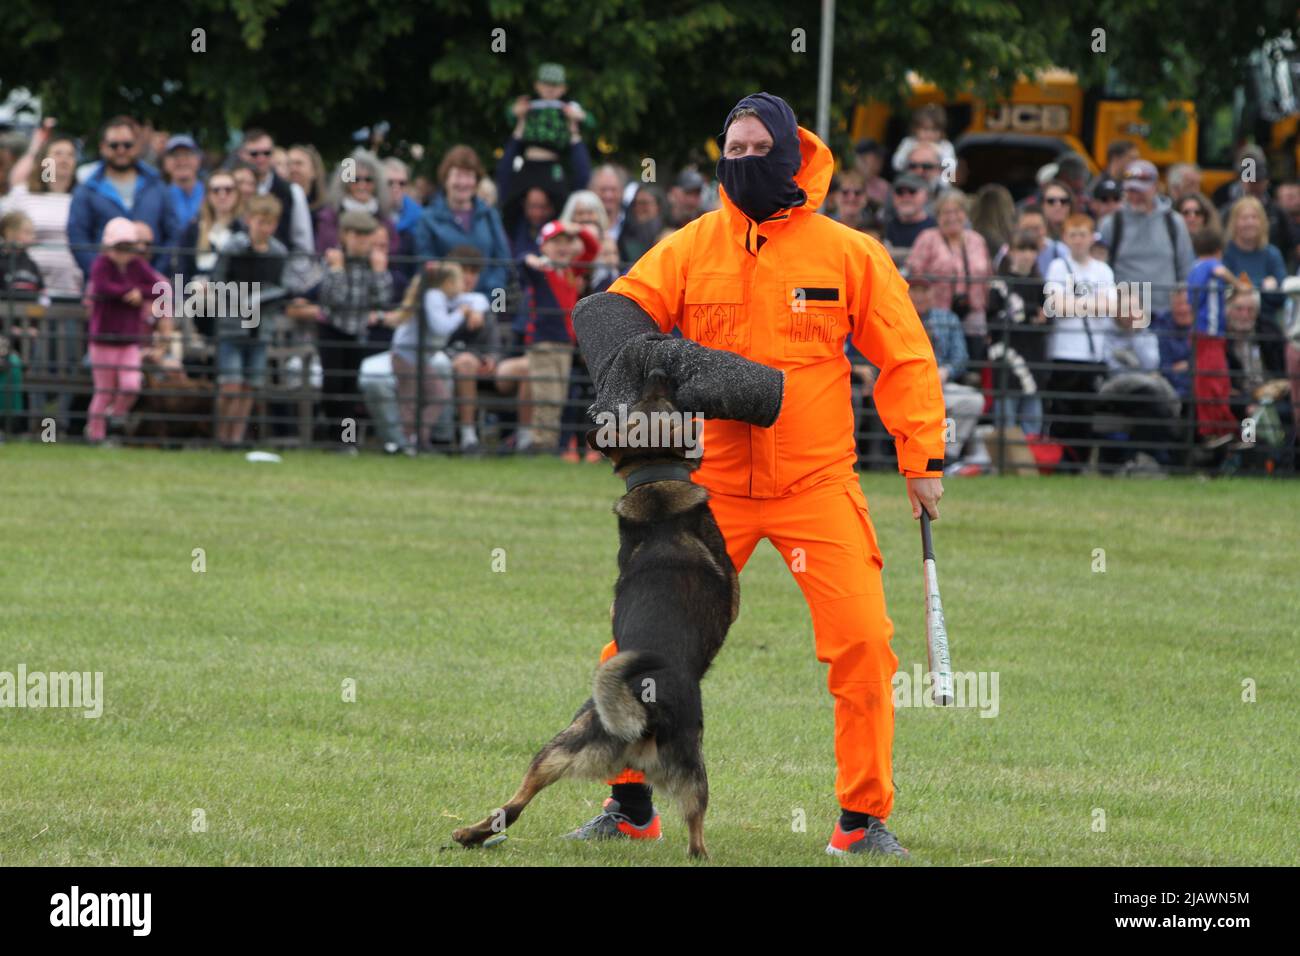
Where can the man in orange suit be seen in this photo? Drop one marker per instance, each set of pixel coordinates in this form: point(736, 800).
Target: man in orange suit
point(766, 279)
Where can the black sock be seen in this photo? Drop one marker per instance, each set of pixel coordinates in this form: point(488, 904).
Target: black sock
point(851, 820)
point(634, 801)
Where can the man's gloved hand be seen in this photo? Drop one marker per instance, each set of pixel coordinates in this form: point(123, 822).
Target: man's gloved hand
point(622, 345)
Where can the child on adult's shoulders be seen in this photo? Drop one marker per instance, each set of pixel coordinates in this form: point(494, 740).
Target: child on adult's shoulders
point(545, 125)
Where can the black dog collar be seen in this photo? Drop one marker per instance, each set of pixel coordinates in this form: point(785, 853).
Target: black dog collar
point(651, 473)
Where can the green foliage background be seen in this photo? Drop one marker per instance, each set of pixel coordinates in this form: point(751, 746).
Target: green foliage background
point(659, 76)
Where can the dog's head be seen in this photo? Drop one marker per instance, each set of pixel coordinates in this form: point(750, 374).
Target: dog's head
point(654, 431)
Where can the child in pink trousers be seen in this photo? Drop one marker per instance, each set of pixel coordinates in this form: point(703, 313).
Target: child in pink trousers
point(120, 287)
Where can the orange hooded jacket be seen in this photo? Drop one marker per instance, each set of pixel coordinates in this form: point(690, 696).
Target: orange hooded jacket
point(786, 292)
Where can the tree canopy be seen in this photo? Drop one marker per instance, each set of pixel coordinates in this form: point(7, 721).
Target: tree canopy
point(658, 76)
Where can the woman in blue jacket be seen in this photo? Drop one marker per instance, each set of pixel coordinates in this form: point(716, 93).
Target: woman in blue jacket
point(456, 216)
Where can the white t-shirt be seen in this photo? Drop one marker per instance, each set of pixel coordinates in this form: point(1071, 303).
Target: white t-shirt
point(468, 302)
point(1080, 303)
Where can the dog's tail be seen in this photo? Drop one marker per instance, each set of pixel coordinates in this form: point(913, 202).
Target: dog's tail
point(622, 713)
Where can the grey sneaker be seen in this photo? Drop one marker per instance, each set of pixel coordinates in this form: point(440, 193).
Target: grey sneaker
point(873, 838)
point(610, 824)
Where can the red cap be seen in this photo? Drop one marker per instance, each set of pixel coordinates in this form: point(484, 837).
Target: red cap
point(557, 227)
point(550, 231)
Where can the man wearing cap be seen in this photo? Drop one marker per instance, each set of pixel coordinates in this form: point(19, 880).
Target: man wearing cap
point(181, 164)
point(765, 294)
point(356, 286)
point(546, 124)
point(1105, 199)
point(685, 199)
point(548, 130)
point(1148, 244)
point(910, 218)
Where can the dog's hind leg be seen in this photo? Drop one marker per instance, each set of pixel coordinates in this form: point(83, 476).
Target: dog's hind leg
point(689, 789)
point(695, 800)
point(579, 749)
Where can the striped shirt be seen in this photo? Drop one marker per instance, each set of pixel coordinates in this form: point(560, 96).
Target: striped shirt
point(49, 214)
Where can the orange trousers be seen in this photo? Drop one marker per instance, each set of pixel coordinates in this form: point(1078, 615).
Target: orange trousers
point(825, 536)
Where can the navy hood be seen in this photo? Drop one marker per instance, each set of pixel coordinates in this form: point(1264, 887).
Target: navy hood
point(763, 185)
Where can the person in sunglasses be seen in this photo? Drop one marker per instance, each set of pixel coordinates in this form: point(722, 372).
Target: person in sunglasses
point(1105, 198)
point(1057, 202)
point(909, 217)
point(855, 208)
point(217, 223)
point(121, 187)
point(1198, 213)
point(358, 184)
point(295, 227)
point(927, 162)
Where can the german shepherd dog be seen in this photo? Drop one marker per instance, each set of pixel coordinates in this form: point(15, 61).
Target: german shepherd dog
point(677, 594)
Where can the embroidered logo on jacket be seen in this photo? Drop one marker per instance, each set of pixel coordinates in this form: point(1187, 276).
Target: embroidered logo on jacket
point(714, 324)
point(812, 327)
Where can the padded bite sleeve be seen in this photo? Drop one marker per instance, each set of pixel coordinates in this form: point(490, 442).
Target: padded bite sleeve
point(622, 345)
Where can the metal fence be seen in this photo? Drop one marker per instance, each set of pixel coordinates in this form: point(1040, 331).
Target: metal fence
point(325, 389)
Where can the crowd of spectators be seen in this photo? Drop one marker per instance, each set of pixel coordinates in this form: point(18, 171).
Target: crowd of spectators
point(1105, 294)
point(416, 303)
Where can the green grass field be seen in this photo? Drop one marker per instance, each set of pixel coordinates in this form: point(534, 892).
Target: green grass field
point(1118, 691)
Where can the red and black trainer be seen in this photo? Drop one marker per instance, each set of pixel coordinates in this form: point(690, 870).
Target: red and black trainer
point(612, 824)
point(873, 838)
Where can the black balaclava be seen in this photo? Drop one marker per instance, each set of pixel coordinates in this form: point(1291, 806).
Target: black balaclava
point(763, 185)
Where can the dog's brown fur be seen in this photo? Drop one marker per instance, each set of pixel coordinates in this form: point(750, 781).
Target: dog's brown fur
point(676, 596)
point(171, 406)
